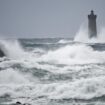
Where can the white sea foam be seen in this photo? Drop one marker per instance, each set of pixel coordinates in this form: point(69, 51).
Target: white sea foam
point(11, 76)
point(76, 59)
point(69, 55)
point(63, 41)
point(74, 54)
point(80, 89)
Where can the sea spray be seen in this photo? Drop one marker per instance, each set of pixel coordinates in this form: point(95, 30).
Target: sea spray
point(74, 54)
point(82, 36)
point(73, 71)
point(12, 48)
point(68, 55)
point(10, 76)
point(101, 36)
point(79, 89)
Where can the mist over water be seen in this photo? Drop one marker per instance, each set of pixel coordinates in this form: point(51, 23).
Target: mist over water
point(53, 71)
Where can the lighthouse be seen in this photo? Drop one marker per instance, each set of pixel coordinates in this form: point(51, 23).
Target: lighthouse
point(92, 27)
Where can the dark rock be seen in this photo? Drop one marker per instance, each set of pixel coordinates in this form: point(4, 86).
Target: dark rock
point(1, 53)
point(18, 103)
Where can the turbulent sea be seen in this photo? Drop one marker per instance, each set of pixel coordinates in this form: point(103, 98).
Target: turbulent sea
point(52, 72)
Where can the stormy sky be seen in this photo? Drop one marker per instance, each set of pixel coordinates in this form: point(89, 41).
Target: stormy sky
point(47, 18)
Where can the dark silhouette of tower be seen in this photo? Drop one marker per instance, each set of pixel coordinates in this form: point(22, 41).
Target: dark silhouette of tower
point(92, 28)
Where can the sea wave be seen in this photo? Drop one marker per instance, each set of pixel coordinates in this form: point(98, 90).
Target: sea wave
point(79, 89)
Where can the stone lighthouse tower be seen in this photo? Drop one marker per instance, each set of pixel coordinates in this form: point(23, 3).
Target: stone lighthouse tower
point(92, 28)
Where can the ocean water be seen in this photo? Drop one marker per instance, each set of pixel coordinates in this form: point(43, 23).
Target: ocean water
point(52, 71)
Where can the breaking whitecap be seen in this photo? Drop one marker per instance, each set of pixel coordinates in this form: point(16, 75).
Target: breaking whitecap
point(58, 73)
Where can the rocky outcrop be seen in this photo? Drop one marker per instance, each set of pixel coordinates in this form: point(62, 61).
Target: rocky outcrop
point(1, 53)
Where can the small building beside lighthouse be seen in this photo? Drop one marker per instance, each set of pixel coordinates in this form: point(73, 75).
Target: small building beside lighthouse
point(92, 26)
